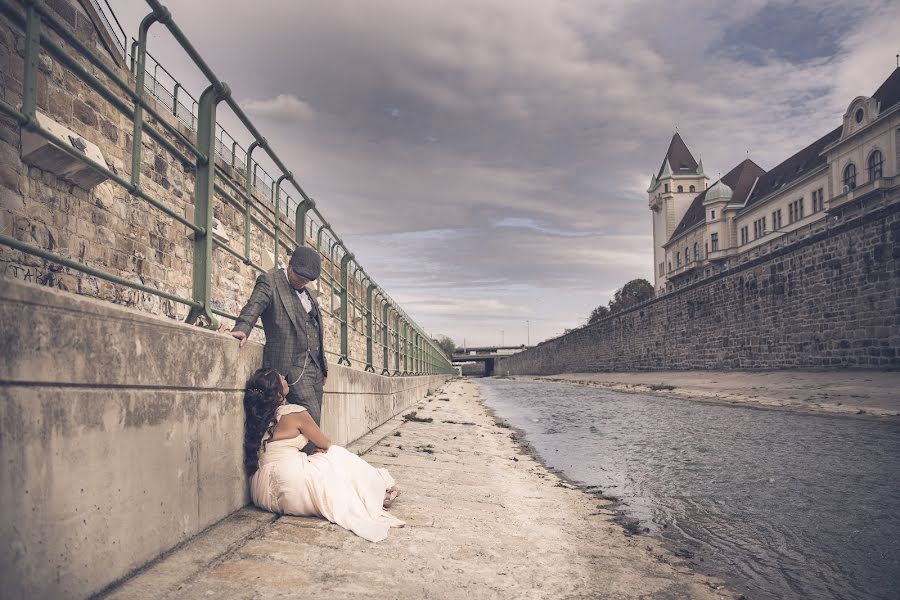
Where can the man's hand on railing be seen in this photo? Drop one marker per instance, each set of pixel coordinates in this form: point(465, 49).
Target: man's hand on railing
point(239, 335)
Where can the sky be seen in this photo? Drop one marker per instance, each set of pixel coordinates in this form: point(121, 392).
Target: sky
point(487, 160)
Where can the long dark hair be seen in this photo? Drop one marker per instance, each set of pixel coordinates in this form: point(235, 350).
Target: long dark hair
point(262, 398)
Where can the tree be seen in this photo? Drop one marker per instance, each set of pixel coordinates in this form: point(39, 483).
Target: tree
point(446, 344)
point(598, 313)
point(631, 294)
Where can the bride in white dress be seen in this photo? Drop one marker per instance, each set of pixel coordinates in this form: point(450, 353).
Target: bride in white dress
point(332, 482)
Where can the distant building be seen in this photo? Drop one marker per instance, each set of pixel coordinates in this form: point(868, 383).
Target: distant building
point(698, 228)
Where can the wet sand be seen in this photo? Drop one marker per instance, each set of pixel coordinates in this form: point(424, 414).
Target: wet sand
point(484, 520)
point(845, 392)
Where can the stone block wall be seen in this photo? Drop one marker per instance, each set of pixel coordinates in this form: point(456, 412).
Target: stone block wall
point(122, 435)
point(108, 228)
point(831, 300)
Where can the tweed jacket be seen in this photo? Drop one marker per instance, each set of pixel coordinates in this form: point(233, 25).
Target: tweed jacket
point(284, 321)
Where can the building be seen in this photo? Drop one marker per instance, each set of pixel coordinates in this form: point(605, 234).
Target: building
point(699, 229)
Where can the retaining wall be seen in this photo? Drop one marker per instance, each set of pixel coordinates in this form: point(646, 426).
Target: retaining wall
point(830, 300)
point(121, 435)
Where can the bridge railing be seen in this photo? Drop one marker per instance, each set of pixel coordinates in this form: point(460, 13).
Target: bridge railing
point(269, 212)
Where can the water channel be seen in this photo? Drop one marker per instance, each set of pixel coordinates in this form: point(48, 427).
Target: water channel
point(779, 504)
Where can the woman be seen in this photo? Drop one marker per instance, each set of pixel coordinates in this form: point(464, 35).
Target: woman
point(332, 482)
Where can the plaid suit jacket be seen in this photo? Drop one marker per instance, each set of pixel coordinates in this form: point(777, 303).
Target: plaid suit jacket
point(284, 321)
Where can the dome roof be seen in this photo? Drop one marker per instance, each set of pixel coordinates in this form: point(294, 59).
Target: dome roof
point(719, 191)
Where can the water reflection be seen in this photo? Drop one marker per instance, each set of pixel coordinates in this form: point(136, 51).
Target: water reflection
point(782, 505)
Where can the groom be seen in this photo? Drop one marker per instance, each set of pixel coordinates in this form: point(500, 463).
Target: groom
point(293, 325)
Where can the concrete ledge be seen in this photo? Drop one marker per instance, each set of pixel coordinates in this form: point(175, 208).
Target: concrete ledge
point(122, 435)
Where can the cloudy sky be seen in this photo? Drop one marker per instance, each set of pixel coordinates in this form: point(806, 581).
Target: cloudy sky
point(487, 160)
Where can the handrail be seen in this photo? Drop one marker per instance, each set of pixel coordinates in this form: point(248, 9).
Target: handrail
point(199, 156)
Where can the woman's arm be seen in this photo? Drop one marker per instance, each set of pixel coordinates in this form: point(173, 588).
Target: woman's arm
point(308, 428)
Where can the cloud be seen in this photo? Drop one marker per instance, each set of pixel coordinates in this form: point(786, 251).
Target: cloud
point(283, 107)
point(550, 115)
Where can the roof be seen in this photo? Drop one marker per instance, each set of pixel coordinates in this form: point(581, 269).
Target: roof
point(889, 93)
point(793, 168)
point(740, 179)
point(681, 161)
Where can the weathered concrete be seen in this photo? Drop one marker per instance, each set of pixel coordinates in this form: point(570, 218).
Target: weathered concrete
point(837, 392)
point(121, 435)
point(483, 520)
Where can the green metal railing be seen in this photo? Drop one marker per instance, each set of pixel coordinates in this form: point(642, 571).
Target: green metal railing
point(404, 343)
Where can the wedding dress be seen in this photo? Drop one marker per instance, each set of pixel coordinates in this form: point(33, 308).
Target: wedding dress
point(336, 484)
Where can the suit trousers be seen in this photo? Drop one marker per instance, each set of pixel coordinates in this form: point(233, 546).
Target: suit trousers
point(307, 391)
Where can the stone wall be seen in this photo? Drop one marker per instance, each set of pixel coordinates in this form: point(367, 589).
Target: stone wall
point(122, 435)
point(830, 300)
point(108, 228)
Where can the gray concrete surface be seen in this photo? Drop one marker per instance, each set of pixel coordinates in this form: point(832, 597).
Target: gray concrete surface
point(836, 391)
point(121, 435)
point(483, 520)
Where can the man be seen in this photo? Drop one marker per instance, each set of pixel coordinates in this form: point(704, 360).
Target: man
point(293, 325)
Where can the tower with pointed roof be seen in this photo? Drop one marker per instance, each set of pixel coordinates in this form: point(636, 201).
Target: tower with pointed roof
point(672, 189)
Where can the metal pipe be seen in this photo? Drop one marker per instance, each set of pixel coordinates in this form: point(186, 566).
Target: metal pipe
point(68, 262)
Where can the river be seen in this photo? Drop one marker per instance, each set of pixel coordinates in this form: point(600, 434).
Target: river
point(779, 504)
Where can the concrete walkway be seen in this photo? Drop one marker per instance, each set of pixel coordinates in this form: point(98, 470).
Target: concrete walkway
point(483, 521)
point(846, 392)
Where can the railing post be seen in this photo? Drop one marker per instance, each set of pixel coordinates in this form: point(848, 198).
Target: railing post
point(139, 72)
point(300, 221)
point(385, 340)
point(396, 342)
point(204, 184)
point(32, 55)
point(345, 338)
point(369, 314)
point(248, 187)
point(175, 99)
point(278, 211)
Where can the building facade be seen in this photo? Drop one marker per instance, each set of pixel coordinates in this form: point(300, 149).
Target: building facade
point(701, 229)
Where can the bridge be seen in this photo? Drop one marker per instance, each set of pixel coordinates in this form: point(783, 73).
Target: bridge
point(484, 357)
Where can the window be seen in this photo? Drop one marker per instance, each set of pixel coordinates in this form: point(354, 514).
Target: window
point(876, 162)
point(662, 267)
point(850, 176)
point(745, 234)
point(712, 215)
point(678, 259)
point(693, 189)
point(670, 265)
point(776, 220)
point(666, 188)
point(714, 241)
point(818, 200)
point(759, 228)
point(795, 210)
point(680, 188)
point(860, 115)
point(696, 251)
point(687, 255)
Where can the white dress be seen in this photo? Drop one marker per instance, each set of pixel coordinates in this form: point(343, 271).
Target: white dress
point(336, 484)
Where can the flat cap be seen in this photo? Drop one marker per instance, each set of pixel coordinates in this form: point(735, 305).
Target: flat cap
point(306, 263)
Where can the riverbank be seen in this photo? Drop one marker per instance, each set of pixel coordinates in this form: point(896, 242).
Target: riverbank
point(845, 392)
point(484, 520)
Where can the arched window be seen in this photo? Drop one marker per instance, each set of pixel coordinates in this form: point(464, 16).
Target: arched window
point(678, 259)
point(687, 256)
point(850, 176)
point(693, 189)
point(696, 251)
point(680, 189)
point(876, 163)
point(666, 187)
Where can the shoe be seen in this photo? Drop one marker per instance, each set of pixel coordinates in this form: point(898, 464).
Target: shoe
point(392, 494)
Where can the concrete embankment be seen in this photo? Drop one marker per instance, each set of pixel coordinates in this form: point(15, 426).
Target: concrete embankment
point(484, 520)
point(836, 391)
point(121, 435)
